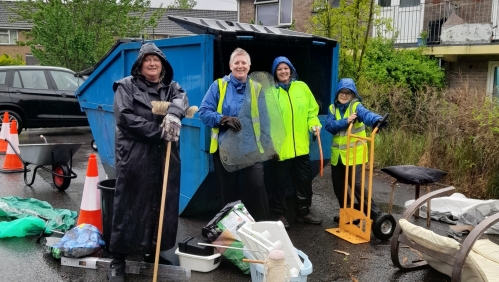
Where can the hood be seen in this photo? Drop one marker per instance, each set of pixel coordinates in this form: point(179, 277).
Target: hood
point(281, 59)
point(151, 48)
point(348, 84)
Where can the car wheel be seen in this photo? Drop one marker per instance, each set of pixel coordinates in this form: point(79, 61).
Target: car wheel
point(93, 145)
point(61, 183)
point(12, 116)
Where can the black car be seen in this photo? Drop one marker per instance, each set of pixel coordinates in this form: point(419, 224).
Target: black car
point(40, 96)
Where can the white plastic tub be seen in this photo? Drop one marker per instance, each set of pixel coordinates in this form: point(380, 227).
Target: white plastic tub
point(198, 263)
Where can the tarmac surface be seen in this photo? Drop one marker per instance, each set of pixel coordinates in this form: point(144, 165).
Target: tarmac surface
point(23, 259)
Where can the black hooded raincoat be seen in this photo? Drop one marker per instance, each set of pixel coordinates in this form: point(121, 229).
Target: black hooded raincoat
point(140, 158)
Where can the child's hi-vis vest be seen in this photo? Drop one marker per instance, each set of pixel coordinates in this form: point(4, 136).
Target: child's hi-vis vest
point(339, 144)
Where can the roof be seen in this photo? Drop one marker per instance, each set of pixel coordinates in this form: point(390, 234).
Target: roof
point(20, 67)
point(165, 26)
point(6, 17)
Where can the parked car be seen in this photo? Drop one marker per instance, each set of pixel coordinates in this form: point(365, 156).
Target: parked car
point(40, 96)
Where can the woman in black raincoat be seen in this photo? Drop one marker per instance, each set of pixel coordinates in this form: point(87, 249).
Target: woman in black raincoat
point(140, 158)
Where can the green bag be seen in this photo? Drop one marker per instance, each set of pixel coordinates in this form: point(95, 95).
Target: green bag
point(22, 227)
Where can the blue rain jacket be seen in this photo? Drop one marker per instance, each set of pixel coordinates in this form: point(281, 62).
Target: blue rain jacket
point(365, 116)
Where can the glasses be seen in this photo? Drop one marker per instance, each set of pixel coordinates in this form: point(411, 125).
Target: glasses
point(345, 93)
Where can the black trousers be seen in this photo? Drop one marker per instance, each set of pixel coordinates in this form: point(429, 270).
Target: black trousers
point(295, 172)
point(247, 185)
point(338, 177)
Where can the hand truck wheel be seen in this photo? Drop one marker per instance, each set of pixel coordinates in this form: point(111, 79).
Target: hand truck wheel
point(384, 226)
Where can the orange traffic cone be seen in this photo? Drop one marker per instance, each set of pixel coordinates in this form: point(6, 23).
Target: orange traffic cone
point(4, 133)
point(12, 163)
point(90, 209)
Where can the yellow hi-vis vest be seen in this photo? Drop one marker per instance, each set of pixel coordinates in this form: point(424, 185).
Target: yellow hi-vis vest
point(339, 144)
point(255, 116)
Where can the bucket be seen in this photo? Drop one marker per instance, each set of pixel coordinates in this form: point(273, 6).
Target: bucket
point(107, 201)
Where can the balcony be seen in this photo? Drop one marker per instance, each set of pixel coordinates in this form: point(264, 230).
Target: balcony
point(441, 22)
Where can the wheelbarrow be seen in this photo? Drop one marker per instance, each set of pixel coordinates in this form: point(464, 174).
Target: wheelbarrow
point(57, 155)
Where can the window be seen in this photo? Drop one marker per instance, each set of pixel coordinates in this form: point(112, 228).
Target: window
point(17, 81)
point(274, 12)
point(8, 36)
point(33, 79)
point(3, 75)
point(493, 79)
point(385, 3)
point(409, 3)
point(335, 3)
point(65, 80)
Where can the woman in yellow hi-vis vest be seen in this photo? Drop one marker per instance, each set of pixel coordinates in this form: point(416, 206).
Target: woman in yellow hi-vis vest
point(347, 108)
point(219, 110)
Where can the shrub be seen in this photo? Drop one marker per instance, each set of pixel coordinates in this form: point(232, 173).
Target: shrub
point(6, 60)
point(455, 130)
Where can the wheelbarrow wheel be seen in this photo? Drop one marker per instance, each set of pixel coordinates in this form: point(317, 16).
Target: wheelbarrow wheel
point(384, 226)
point(61, 183)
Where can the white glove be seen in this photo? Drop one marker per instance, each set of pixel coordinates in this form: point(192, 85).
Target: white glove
point(316, 130)
point(171, 128)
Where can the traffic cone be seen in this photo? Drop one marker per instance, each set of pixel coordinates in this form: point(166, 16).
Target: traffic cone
point(90, 209)
point(4, 133)
point(12, 163)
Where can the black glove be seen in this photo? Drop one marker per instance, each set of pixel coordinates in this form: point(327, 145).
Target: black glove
point(230, 122)
point(274, 158)
point(381, 125)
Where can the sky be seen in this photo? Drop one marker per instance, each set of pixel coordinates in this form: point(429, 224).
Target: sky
point(230, 5)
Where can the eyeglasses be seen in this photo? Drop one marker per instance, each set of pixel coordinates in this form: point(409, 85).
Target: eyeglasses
point(345, 93)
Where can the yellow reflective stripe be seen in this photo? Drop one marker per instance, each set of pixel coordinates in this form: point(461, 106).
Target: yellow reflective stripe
point(355, 130)
point(343, 146)
point(255, 116)
point(222, 87)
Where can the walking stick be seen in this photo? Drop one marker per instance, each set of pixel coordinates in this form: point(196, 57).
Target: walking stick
point(160, 108)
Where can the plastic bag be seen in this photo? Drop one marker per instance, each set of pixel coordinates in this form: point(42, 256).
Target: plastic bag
point(14, 207)
point(21, 227)
point(221, 230)
point(80, 241)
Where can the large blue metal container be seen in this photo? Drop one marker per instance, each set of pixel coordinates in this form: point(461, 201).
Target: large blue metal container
point(197, 61)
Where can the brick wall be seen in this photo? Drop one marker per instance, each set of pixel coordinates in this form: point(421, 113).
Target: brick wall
point(302, 11)
point(246, 11)
point(470, 69)
point(14, 50)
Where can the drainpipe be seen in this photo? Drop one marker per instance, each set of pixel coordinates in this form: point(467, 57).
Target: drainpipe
point(238, 10)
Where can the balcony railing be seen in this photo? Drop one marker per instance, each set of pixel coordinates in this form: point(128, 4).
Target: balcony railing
point(427, 20)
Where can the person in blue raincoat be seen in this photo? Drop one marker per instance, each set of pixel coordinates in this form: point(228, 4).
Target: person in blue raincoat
point(346, 109)
point(219, 110)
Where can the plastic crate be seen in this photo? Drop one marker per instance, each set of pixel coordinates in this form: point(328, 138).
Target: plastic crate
point(258, 270)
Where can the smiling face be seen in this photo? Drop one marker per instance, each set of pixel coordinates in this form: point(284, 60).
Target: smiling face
point(345, 96)
point(283, 73)
point(151, 67)
point(240, 67)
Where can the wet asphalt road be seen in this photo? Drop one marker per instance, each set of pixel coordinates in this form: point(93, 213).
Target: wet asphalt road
point(22, 259)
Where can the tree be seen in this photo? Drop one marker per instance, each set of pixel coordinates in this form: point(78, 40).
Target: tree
point(76, 34)
point(350, 24)
point(183, 4)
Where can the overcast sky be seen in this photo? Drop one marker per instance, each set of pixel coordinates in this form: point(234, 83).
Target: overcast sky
point(230, 5)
